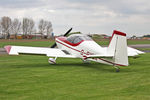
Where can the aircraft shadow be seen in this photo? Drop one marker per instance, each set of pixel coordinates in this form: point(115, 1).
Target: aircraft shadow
point(97, 66)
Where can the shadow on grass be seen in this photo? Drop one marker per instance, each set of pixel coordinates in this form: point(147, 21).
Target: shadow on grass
point(96, 66)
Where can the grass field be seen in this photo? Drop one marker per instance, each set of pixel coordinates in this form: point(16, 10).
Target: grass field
point(36, 43)
point(129, 42)
point(48, 43)
point(144, 49)
point(32, 78)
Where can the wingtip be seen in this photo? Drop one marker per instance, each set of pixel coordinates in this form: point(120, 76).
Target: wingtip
point(8, 48)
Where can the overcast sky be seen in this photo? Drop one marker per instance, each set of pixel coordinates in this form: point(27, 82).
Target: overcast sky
point(87, 16)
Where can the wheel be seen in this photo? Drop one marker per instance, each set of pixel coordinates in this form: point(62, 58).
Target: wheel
point(117, 70)
point(86, 61)
point(52, 61)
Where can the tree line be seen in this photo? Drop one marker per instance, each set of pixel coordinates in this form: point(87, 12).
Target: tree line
point(25, 27)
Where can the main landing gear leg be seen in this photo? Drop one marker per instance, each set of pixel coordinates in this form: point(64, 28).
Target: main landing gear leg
point(117, 68)
point(85, 61)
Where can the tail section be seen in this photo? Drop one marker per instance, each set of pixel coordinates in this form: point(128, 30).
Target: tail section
point(118, 48)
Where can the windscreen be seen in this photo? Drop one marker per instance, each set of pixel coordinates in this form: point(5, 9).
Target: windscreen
point(78, 38)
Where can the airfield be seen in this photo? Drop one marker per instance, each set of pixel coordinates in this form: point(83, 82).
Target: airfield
point(33, 78)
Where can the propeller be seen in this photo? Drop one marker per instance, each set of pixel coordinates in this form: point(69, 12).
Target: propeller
point(68, 32)
point(54, 45)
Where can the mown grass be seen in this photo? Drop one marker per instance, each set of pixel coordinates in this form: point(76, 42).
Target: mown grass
point(48, 43)
point(132, 42)
point(36, 43)
point(32, 78)
point(129, 42)
point(144, 49)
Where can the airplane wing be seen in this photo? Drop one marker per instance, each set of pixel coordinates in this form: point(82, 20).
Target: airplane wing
point(51, 52)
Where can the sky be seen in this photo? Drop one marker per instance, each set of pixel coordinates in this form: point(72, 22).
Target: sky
point(86, 16)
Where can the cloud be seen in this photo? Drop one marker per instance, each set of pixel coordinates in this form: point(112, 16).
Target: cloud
point(21, 3)
point(88, 16)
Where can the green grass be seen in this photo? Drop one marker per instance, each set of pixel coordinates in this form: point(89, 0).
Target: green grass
point(48, 43)
point(27, 43)
point(144, 49)
point(103, 42)
point(129, 42)
point(132, 42)
point(32, 78)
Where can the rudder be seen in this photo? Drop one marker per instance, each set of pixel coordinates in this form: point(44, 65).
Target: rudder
point(118, 48)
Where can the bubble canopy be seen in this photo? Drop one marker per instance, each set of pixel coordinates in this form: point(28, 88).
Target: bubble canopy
point(76, 38)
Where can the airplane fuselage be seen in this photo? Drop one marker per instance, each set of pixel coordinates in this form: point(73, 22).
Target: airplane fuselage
point(80, 49)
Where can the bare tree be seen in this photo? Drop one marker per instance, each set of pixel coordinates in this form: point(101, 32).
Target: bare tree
point(48, 29)
point(31, 26)
point(0, 28)
point(6, 25)
point(16, 26)
point(1, 35)
point(27, 26)
point(9, 26)
point(42, 27)
point(45, 27)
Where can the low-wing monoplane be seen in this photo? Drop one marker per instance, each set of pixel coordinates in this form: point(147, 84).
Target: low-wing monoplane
point(82, 46)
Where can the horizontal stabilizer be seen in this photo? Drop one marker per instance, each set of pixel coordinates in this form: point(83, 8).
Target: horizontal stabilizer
point(99, 56)
point(134, 52)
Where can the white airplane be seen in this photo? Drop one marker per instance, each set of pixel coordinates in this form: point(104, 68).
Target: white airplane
point(82, 46)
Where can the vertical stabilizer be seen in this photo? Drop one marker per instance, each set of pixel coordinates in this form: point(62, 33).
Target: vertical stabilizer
point(118, 48)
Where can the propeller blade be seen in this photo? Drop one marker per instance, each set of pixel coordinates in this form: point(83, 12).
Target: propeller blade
point(68, 32)
point(54, 45)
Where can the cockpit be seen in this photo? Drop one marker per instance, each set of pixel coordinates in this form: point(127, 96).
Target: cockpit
point(76, 38)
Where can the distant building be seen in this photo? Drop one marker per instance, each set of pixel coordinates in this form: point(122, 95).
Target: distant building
point(105, 36)
point(138, 38)
point(18, 36)
point(146, 38)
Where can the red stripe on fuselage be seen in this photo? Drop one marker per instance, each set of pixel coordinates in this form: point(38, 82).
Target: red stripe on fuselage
point(68, 46)
point(64, 39)
point(111, 62)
